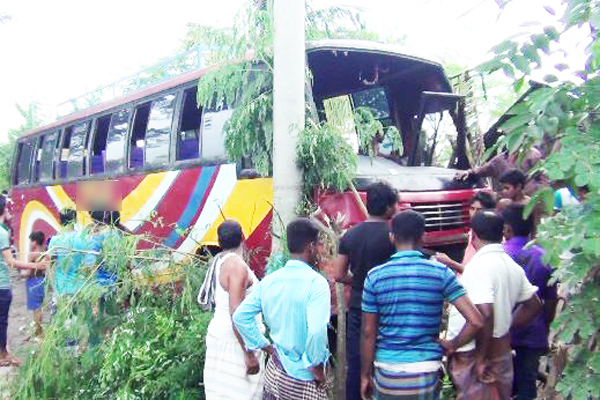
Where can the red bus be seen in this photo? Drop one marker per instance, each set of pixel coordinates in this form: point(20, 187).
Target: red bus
point(178, 184)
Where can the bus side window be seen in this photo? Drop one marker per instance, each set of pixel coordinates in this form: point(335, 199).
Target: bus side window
point(63, 153)
point(138, 135)
point(77, 150)
point(188, 135)
point(37, 159)
point(213, 137)
point(98, 147)
point(24, 153)
point(114, 161)
point(46, 161)
point(158, 135)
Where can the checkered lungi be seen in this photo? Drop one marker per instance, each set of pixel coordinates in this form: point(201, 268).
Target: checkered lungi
point(467, 384)
point(281, 386)
point(392, 385)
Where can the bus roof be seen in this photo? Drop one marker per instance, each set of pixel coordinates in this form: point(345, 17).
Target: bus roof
point(311, 47)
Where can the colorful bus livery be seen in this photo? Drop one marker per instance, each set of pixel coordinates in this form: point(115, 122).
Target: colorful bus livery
point(179, 208)
point(169, 156)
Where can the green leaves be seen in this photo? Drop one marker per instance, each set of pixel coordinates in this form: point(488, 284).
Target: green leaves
point(562, 121)
point(325, 157)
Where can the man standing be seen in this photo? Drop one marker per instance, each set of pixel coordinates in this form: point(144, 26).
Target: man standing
point(7, 260)
point(295, 302)
point(496, 285)
point(362, 248)
point(403, 304)
point(530, 342)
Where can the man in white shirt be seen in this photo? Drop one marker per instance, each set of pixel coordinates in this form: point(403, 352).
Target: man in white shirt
point(482, 369)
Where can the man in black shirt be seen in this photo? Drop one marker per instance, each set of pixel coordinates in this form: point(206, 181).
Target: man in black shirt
point(363, 247)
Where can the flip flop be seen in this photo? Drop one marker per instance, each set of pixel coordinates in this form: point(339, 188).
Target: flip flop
point(10, 362)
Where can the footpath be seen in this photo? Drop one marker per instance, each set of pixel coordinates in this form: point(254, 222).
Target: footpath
point(18, 330)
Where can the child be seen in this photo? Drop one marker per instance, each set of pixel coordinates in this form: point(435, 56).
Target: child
point(36, 281)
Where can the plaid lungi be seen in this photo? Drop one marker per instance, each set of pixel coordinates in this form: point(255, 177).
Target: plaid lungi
point(280, 386)
point(467, 384)
point(392, 385)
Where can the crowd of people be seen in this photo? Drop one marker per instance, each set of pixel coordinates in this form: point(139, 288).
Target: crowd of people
point(61, 265)
point(413, 315)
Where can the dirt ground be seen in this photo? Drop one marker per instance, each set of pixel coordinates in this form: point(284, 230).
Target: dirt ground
point(19, 329)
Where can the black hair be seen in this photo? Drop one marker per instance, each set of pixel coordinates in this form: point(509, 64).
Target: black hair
point(300, 233)
point(486, 200)
point(514, 177)
point(68, 216)
point(488, 226)
point(380, 196)
point(230, 234)
point(408, 226)
point(513, 216)
point(37, 237)
point(3, 201)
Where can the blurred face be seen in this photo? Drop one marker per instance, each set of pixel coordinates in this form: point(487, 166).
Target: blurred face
point(475, 207)
point(510, 191)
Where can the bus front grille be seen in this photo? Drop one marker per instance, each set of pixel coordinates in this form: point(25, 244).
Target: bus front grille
point(443, 216)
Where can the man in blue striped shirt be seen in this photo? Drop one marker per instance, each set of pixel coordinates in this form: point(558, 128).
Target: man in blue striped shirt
point(402, 304)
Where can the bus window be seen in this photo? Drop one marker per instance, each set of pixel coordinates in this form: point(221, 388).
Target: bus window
point(98, 147)
point(115, 142)
point(78, 145)
point(158, 135)
point(38, 158)
point(188, 135)
point(24, 153)
point(138, 135)
point(339, 112)
point(63, 153)
point(213, 138)
point(47, 159)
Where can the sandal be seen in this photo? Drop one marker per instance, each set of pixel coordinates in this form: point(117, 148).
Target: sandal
point(9, 361)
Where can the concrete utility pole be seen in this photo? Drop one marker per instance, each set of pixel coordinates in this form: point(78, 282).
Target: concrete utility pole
point(288, 108)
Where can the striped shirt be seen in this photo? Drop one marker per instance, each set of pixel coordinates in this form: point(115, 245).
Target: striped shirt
point(408, 294)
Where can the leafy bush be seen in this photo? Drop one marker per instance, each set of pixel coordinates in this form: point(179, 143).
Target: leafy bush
point(563, 116)
point(138, 341)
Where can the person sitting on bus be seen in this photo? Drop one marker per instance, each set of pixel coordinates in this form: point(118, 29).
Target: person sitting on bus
point(36, 287)
point(7, 260)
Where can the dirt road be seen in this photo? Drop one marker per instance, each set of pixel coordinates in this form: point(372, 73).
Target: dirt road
point(18, 329)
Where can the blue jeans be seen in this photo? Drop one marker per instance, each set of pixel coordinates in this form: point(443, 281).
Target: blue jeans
point(526, 365)
point(5, 300)
point(353, 354)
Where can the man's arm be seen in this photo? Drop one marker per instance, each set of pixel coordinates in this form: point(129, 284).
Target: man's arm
point(341, 269)
point(370, 326)
point(446, 260)
point(525, 312)
point(244, 319)
point(318, 311)
point(237, 280)
point(18, 264)
point(483, 338)
point(467, 333)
